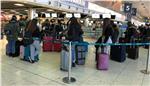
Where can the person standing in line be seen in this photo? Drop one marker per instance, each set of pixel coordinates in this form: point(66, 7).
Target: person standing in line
point(36, 35)
point(74, 35)
point(46, 28)
point(106, 34)
point(12, 31)
point(115, 32)
point(22, 24)
point(58, 28)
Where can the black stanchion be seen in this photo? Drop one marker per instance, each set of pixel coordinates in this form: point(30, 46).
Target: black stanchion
point(146, 71)
point(69, 79)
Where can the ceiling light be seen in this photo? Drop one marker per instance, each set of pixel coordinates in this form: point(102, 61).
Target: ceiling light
point(17, 12)
point(49, 10)
point(12, 11)
point(19, 4)
point(25, 10)
point(64, 12)
point(43, 12)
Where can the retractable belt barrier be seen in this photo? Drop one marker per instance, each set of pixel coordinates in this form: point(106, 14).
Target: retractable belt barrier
point(70, 79)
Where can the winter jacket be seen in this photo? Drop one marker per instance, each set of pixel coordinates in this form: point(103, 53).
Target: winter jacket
point(75, 33)
point(115, 34)
point(108, 33)
point(12, 30)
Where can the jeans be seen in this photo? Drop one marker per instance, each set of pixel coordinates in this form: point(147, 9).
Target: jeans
point(35, 48)
point(11, 46)
point(73, 52)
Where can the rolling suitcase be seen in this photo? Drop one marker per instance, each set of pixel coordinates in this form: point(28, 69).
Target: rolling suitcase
point(47, 44)
point(102, 63)
point(57, 46)
point(133, 52)
point(81, 51)
point(118, 53)
point(64, 60)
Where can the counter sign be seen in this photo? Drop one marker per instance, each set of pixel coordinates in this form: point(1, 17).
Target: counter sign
point(127, 7)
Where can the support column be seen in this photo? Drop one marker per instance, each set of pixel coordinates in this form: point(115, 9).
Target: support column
point(31, 13)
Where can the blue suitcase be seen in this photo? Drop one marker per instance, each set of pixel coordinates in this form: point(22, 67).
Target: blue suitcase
point(81, 52)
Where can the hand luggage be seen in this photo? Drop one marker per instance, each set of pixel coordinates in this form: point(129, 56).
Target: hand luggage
point(47, 44)
point(64, 60)
point(133, 52)
point(57, 46)
point(118, 53)
point(81, 51)
point(102, 63)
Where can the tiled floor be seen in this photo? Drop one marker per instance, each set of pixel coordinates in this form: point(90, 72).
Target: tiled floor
point(47, 73)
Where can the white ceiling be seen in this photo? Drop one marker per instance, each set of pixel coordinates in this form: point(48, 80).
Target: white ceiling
point(143, 6)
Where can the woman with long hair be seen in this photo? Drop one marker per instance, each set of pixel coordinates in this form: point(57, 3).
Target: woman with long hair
point(75, 35)
point(107, 29)
point(35, 46)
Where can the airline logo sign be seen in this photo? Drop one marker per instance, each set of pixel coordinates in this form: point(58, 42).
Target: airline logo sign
point(127, 7)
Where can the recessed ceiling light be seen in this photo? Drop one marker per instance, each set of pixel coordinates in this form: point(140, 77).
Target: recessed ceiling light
point(49, 10)
point(19, 4)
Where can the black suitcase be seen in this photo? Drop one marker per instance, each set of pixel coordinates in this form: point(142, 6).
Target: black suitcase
point(133, 52)
point(118, 53)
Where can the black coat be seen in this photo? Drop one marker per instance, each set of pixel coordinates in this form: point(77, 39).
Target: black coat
point(75, 33)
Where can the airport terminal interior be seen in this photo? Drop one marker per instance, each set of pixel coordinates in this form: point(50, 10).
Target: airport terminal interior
point(90, 14)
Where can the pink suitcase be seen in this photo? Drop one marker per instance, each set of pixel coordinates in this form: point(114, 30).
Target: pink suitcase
point(103, 61)
point(47, 44)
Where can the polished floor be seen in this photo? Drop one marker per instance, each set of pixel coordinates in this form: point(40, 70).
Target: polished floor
point(46, 72)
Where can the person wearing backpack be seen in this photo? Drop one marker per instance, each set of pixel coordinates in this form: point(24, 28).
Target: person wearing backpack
point(12, 31)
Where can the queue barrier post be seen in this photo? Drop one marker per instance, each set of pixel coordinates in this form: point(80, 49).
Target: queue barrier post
point(69, 79)
point(146, 71)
